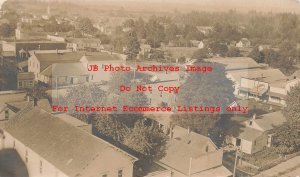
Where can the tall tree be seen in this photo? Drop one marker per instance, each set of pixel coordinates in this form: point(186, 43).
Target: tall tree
point(292, 109)
point(211, 89)
point(132, 46)
point(147, 140)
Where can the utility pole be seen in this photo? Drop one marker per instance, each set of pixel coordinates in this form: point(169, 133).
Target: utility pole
point(235, 161)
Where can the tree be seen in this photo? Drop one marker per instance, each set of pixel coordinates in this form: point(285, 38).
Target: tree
point(110, 126)
point(292, 109)
point(211, 89)
point(233, 52)
point(85, 25)
point(83, 95)
point(132, 46)
point(6, 30)
point(201, 54)
point(147, 140)
point(219, 48)
point(38, 91)
point(105, 39)
point(155, 32)
point(287, 138)
point(257, 55)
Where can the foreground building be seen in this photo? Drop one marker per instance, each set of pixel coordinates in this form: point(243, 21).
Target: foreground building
point(256, 134)
point(50, 147)
point(190, 154)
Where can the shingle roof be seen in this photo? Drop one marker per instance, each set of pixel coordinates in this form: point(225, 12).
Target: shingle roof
point(66, 147)
point(101, 56)
point(184, 146)
point(47, 59)
point(249, 134)
point(271, 120)
point(264, 75)
point(65, 69)
point(236, 63)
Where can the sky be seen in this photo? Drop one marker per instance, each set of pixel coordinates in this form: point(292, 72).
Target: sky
point(242, 5)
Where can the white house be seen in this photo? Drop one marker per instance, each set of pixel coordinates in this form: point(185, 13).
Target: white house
point(255, 133)
point(244, 42)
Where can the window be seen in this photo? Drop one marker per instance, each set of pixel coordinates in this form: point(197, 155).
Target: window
point(250, 123)
point(30, 83)
point(6, 114)
point(20, 84)
point(105, 175)
point(120, 173)
point(206, 149)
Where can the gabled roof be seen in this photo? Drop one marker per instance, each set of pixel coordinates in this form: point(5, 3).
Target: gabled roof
point(184, 146)
point(73, 151)
point(65, 69)
point(46, 59)
point(249, 134)
point(101, 56)
point(264, 75)
point(270, 121)
point(235, 63)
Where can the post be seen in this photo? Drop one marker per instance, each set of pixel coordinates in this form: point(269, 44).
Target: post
point(235, 162)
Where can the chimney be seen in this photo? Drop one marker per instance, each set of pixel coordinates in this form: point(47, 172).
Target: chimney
point(35, 102)
point(6, 114)
point(171, 134)
point(254, 116)
point(189, 130)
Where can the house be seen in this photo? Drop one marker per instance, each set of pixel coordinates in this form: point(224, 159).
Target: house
point(194, 43)
point(7, 52)
point(101, 59)
point(201, 45)
point(256, 132)
point(236, 63)
point(263, 47)
point(269, 85)
point(24, 47)
point(51, 147)
point(206, 30)
point(295, 75)
point(84, 44)
point(145, 48)
point(38, 62)
point(64, 74)
point(190, 154)
point(25, 80)
point(244, 42)
point(55, 37)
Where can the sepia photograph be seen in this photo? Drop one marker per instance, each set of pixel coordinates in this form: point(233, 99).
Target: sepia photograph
point(149, 88)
